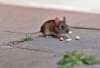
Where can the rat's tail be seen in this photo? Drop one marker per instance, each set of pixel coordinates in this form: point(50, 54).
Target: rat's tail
point(22, 32)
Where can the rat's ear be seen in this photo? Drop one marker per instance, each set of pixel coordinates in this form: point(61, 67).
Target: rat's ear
point(64, 19)
point(57, 20)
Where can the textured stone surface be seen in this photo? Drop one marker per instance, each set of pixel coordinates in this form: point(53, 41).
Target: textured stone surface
point(26, 19)
point(22, 58)
point(40, 53)
point(89, 40)
point(45, 52)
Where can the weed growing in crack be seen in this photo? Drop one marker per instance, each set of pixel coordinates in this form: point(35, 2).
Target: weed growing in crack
point(27, 38)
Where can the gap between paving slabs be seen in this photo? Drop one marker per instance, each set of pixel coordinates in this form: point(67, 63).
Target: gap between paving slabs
point(85, 28)
point(90, 40)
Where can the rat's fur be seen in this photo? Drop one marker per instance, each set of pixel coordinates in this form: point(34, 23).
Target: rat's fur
point(55, 27)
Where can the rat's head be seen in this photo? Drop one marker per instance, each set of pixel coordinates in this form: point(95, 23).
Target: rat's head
point(61, 26)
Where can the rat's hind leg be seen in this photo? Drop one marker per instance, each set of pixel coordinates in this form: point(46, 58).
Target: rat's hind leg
point(48, 35)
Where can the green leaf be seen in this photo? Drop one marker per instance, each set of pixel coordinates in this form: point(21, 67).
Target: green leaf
point(91, 60)
point(71, 59)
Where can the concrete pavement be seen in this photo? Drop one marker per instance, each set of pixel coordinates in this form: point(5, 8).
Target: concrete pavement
point(15, 18)
point(23, 58)
point(44, 54)
point(89, 40)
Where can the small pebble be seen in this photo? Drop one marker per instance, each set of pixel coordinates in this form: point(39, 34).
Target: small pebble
point(69, 39)
point(70, 32)
point(61, 39)
point(77, 38)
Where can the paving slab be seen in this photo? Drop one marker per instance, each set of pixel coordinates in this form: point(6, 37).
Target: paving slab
point(89, 40)
point(89, 43)
point(30, 19)
point(23, 58)
point(36, 16)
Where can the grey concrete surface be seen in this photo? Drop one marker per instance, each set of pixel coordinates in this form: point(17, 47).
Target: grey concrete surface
point(89, 40)
point(89, 43)
point(22, 58)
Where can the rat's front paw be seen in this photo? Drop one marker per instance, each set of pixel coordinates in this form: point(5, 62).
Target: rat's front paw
point(65, 36)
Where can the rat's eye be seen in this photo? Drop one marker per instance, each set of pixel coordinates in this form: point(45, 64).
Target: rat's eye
point(62, 27)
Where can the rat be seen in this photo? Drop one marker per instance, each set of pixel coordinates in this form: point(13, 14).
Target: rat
point(53, 27)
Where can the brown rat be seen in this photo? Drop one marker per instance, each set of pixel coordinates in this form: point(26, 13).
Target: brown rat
point(55, 27)
point(52, 27)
